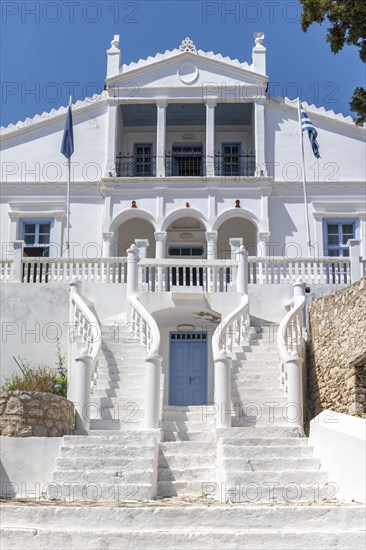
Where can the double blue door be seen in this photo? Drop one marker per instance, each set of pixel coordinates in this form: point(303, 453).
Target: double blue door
point(188, 368)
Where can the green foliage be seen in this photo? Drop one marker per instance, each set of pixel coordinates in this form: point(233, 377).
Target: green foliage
point(347, 25)
point(42, 378)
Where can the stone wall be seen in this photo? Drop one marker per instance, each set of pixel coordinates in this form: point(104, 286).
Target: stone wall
point(26, 414)
point(337, 352)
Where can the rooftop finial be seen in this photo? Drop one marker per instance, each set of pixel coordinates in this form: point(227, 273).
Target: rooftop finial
point(187, 46)
point(259, 38)
point(115, 41)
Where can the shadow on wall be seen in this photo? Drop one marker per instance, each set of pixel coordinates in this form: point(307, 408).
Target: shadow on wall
point(7, 489)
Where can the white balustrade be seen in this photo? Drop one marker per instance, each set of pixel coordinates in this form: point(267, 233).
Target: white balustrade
point(85, 342)
point(5, 271)
point(291, 342)
point(231, 332)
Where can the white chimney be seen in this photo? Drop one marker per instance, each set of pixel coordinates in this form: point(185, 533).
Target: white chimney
point(259, 54)
point(113, 57)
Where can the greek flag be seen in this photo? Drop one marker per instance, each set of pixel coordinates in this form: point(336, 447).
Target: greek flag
point(306, 125)
point(67, 146)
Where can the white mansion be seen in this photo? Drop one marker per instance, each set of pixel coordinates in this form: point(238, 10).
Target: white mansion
point(184, 279)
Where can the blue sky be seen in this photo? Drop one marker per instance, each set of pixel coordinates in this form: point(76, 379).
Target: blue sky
point(48, 47)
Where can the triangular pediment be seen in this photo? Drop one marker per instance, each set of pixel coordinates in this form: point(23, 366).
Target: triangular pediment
point(185, 70)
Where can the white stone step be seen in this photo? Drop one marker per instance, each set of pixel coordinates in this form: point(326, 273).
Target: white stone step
point(178, 448)
point(204, 414)
point(117, 438)
point(187, 519)
point(193, 474)
point(184, 426)
point(262, 432)
point(34, 539)
point(126, 452)
point(115, 490)
point(276, 464)
point(103, 476)
point(266, 451)
point(181, 488)
point(186, 461)
point(207, 435)
point(116, 462)
point(281, 477)
point(110, 424)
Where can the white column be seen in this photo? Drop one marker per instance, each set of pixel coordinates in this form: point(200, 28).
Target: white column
point(355, 256)
point(223, 391)
point(235, 244)
point(110, 170)
point(152, 395)
point(83, 372)
point(242, 280)
point(160, 240)
point(211, 237)
point(294, 388)
point(107, 244)
point(132, 261)
point(142, 245)
point(210, 138)
point(161, 138)
point(260, 136)
point(14, 252)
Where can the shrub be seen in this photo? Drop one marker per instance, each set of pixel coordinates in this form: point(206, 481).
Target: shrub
point(42, 378)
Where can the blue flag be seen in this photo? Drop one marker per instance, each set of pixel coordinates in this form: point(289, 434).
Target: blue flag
point(67, 146)
point(306, 125)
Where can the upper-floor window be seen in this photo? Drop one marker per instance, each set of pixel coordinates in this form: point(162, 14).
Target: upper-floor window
point(143, 159)
point(187, 160)
point(231, 159)
point(185, 251)
point(337, 234)
point(37, 237)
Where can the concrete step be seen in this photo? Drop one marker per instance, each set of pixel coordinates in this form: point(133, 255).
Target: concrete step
point(186, 461)
point(117, 395)
point(204, 414)
point(262, 432)
point(107, 475)
point(270, 491)
point(251, 452)
point(132, 378)
point(116, 462)
point(179, 448)
point(105, 451)
point(207, 435)
point(141, 439)
point(110, 424)
point(34, 539)
point(193, 474)
point(187, 426)
point(281, 477)
point(182, 488)
point(276, 464)
point(187, 519)
point(115, 490)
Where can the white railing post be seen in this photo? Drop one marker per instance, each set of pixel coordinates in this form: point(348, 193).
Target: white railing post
point(132, 270)
point(355, 257)
point(294, 387)
point(160, 239)
point(242, 273)
point(83, 372)
point(152, 392)
point(299, 292)
point(211, 237)
point(74, 288)
point(142, 245)
point(15, 252)
point(222, 390)
point(235, 244)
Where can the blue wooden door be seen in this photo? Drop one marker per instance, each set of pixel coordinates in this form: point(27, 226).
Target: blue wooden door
point(188, 369)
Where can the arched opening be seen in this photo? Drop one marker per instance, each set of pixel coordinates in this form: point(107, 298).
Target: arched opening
point(186, 238)
point(136, 228)
point(236, 227)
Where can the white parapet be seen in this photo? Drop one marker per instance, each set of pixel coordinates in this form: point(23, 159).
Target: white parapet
point(339, 440)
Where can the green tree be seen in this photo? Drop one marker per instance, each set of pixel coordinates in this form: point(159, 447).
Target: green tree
point(347, 25)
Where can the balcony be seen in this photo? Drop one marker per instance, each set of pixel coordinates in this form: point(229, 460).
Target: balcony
point(186, 163)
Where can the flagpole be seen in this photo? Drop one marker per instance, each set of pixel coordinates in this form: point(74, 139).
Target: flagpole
point(304, 177)
point(68, 199)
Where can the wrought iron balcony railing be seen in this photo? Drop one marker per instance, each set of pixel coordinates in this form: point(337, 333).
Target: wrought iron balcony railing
point(235, 165)
point(183, 164)
point(135, 166)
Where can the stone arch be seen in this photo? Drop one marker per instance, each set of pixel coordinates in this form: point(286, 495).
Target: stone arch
point(235, 224)
point(183, 213)
point(132, 225)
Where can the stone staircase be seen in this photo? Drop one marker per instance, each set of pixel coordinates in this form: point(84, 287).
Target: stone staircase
point(117, 459)
point(118, 467)
point(187, 456)
point(263, 458)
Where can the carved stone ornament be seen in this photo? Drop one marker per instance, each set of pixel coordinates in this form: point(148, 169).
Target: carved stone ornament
point(187, 46)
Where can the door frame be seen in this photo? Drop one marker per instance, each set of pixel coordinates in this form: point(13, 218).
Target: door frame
point(205, 342)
